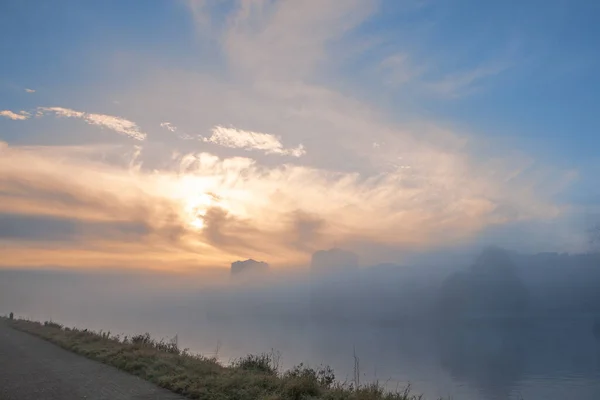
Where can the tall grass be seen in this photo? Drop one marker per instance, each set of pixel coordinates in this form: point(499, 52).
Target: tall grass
point(198, 377)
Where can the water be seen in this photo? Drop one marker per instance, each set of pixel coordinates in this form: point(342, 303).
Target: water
point(550, 359)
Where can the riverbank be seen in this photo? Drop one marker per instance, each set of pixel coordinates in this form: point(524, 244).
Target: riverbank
point(200, 377)
point(32, 368)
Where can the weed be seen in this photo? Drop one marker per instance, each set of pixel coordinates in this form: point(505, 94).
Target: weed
point(256, 362)
point(195, 376)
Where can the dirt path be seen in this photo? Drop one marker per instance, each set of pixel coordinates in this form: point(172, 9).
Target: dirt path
point(33, 369)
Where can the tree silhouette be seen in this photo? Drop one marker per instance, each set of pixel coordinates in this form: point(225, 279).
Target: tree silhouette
point(593, 233)
point(490, 286)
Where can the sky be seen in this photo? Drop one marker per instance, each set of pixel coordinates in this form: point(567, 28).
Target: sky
point(187, 134)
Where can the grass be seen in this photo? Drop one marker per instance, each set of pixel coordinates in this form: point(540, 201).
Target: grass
point(253, 377)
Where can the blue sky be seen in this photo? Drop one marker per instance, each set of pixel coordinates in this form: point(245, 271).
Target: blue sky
point(542, 58)
point(448, 121)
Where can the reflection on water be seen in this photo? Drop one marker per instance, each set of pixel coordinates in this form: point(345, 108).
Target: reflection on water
point(546, 359)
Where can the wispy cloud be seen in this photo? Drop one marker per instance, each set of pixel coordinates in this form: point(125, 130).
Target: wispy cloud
point(30, 90)
point(60, 112)
point(117, 124)
point(284, 39)
point(178, 132)
point(249, 140)
point(365, 179)
point(226, 208)
point(398, 69)
point(290, 41)
point(463, 83)
point(21, 116)
point(427, 79)
point(168, 126)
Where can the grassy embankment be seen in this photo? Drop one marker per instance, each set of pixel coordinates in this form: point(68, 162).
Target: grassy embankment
point(198, 377)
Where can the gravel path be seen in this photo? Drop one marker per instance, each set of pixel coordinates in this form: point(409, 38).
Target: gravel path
point(33, 369)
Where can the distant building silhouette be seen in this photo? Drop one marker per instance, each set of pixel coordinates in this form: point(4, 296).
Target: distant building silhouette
point(249, 266)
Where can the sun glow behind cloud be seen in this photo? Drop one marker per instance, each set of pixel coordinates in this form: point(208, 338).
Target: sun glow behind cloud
point(264, 159)
point(211, 209)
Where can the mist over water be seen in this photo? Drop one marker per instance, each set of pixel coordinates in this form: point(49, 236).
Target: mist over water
point(505, 326)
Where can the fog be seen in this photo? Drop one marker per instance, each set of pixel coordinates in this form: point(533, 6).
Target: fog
point(501, 325)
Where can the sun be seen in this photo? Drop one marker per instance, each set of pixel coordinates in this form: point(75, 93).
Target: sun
point(196, 208)
point(197, 222)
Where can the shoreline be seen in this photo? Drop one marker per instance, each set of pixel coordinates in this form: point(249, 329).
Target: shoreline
point(196, 376)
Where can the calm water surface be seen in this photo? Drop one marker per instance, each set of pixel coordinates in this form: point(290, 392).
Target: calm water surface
point(549, 359)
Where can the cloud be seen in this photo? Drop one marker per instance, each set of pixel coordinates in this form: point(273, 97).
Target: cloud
point(94, 217)
point(427, 78)
point(202, 209)
point(399, 70)
point(306, 230)
point(30, 90)
point(248, 140)
point(60, 112)
point(202, 13)
point(281, 39)
point(21, 116)
point(168, 126)
point(180, 134)
point(424, 184)
point(359, 177)
point(117, 124)
point(48, 228)
point(291, 41)
point(463, 83)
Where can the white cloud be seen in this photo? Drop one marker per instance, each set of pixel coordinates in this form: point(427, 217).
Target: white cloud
point(30, 90)
point(241, 139)
point(60, 112)
point(117, 124)
point(168, 126)
point(21, 116)
point(180, 134)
